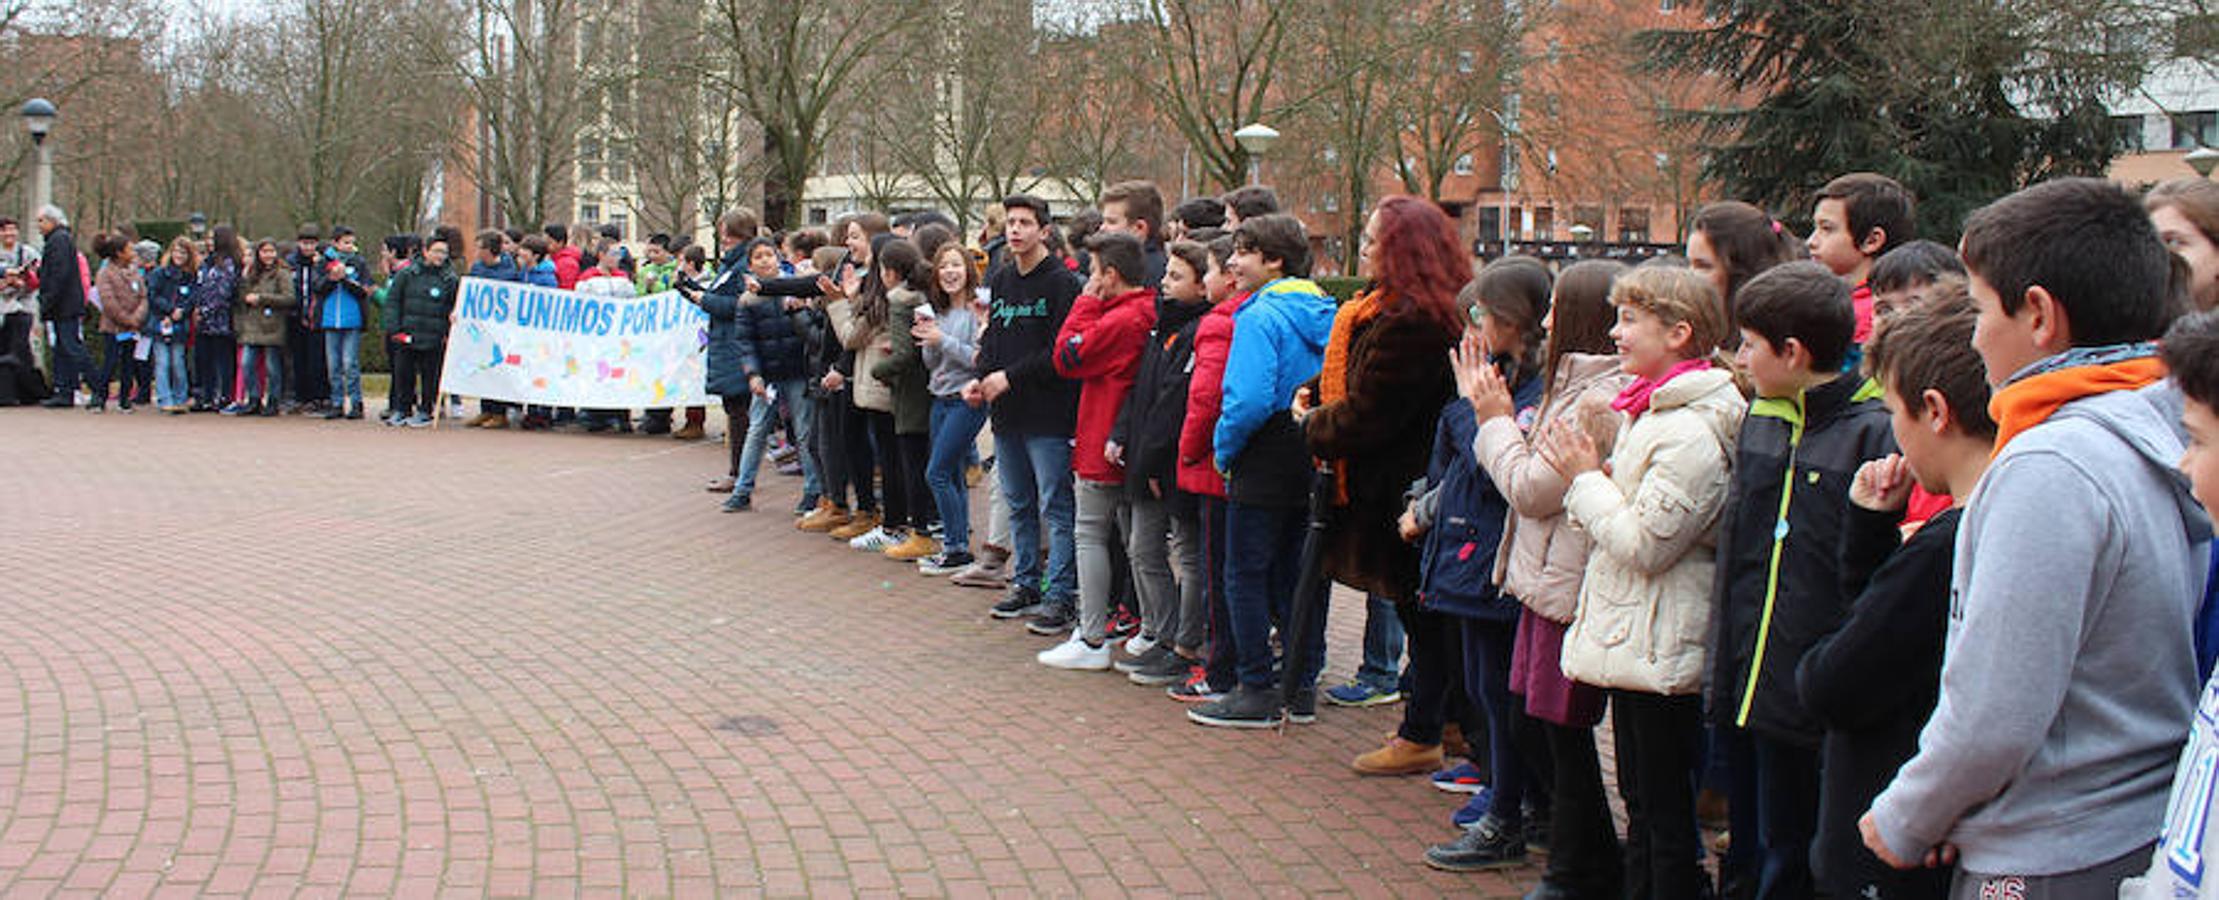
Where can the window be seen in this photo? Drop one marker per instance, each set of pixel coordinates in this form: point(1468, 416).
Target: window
point(589, 159)
point(1466, 61)
point(1490, 223)
point(818, 215)
point(1544, 223)
point(1463, 165)
point(1331, 156)
point(2195, 129)
point(620, 161)
point(2127, 134)
point(1589, 215)
point(1332, 203)
point(1633, 225)
point(623, 223)
point(589, 213)
point(1665, 6)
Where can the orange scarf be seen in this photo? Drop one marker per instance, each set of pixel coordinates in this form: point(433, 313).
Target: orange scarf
point(1333, 375)
point(2032, 400)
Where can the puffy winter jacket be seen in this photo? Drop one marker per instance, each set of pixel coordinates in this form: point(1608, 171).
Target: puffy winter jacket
point(1155, 412)
point(1213, 340)
point(724, 358)
point(122, 298)
point(1779, 573)
point(1099, 347)
point(1457, 565)
point(1278, 344)
point(421, 297)
point(770, 338)
point(1644, 615)
point(1544, 558)
point(169, 303)
point(219, 288)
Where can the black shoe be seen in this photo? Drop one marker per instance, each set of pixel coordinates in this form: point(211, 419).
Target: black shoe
point(655, 426)
point(1493, 844)
point(1548, 890)
point(1303, 709)
point(738, 503)
point(1537, 831)
point(1171, 668)
point(1133, 664)
point(355, 413)
point(332, 412)
point(58, 403)
point(1055, 619)
point(1245, 707)
point(1021, 601)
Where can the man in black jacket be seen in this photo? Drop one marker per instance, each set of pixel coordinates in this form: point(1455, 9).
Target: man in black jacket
point(62, 305)
point(310, 383)
point(1034, 413)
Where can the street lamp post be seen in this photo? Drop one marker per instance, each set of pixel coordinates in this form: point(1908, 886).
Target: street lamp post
point(1256, 138)
point(38, 117)
point(2203, 160)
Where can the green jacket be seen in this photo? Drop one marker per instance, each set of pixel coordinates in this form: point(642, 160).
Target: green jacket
point(654, 278)
point(903, 368)
point(263, 324)
point(418, 301)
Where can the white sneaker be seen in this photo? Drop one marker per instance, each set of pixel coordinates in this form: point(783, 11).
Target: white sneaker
point(1139, 644)
point(1073, 653)
point(874, 540)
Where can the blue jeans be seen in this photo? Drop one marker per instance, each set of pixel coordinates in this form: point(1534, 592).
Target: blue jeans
point(1263, 550)
point(762, 416)
point(171, 387)
point(343, 359)
point(271, 359)
point(1382, 668)
point(1036, 480)
point(955, 431)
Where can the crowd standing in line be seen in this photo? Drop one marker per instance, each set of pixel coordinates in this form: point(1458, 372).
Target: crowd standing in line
point(1898, 552)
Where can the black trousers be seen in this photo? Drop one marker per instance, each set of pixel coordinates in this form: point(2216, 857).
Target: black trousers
point(1659, 740)
point(857, 458)
point(416, 380)
point(1436, 697)
point(887, 455)
point(1583, 841)
point(118, 364)
point(215, 368)
point(305, 363)
point(915, 451)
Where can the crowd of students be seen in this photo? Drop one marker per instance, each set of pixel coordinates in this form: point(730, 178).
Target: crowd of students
point(1901, 552)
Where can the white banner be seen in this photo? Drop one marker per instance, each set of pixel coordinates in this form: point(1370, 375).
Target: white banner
point(540, 345)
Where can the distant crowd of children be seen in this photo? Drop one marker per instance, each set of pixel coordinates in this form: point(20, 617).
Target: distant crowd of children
point(1902, 552)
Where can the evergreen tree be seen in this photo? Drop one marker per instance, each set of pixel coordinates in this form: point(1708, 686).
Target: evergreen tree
point(1961, 100)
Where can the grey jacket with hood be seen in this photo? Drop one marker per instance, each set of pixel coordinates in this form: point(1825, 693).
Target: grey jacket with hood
point(2069, 675)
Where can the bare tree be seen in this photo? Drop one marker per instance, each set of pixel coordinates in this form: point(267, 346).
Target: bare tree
point(969, 130)
point(1213, 66)
point(1454, 84)
point(796, 69)
point(518, 63)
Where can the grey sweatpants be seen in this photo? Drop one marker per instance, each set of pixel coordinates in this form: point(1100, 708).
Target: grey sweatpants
point(1101, 515)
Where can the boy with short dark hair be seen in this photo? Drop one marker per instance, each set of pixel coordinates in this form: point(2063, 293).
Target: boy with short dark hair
point(2069, 670)
point(1099, 347)
point(1136, 208)
point(1778, 584)
point(1873, 681)
point(2191, 353)
point(1247, 203)
point(1278, 344)
point(1858, 217)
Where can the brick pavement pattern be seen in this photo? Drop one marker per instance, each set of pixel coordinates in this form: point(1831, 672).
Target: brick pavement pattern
point(294, 657)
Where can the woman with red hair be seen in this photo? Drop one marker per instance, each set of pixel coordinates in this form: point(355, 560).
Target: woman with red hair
point(1376, 403)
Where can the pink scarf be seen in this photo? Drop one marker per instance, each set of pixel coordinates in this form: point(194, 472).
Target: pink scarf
point(1634, 400)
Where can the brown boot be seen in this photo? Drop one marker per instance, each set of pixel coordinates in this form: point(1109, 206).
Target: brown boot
point(1399, 757)
point(857, 526)
point(692, 431)
point(824, 518)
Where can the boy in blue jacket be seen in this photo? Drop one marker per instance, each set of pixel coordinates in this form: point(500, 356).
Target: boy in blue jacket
point(1278, 344)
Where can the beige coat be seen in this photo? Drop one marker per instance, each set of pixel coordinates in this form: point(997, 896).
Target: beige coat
point(1644, 614)
point(1543, 558)
point(870, 344)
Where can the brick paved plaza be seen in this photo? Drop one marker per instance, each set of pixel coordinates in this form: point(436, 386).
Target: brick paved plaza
point(284, 656)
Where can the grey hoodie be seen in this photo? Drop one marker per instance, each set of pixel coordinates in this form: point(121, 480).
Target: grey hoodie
point(2069, 675)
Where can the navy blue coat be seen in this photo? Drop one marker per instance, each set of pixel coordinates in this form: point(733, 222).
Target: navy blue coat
point(771, 343)
point(727, 372)
point(1457, 571)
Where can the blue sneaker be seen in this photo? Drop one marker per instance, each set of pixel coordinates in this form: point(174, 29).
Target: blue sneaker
point(1474, 810)
point(1357, 693)
point(1465, 778)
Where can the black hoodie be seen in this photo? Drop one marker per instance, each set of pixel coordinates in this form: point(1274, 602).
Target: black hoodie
point(1149, 424)
point(1027, 310)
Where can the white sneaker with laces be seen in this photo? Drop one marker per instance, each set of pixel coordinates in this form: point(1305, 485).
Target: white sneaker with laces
point(1074, 653)
point(1139, 644)
point(874, 540)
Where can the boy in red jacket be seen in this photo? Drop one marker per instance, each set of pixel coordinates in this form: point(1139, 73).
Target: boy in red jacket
point(1099, 347)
